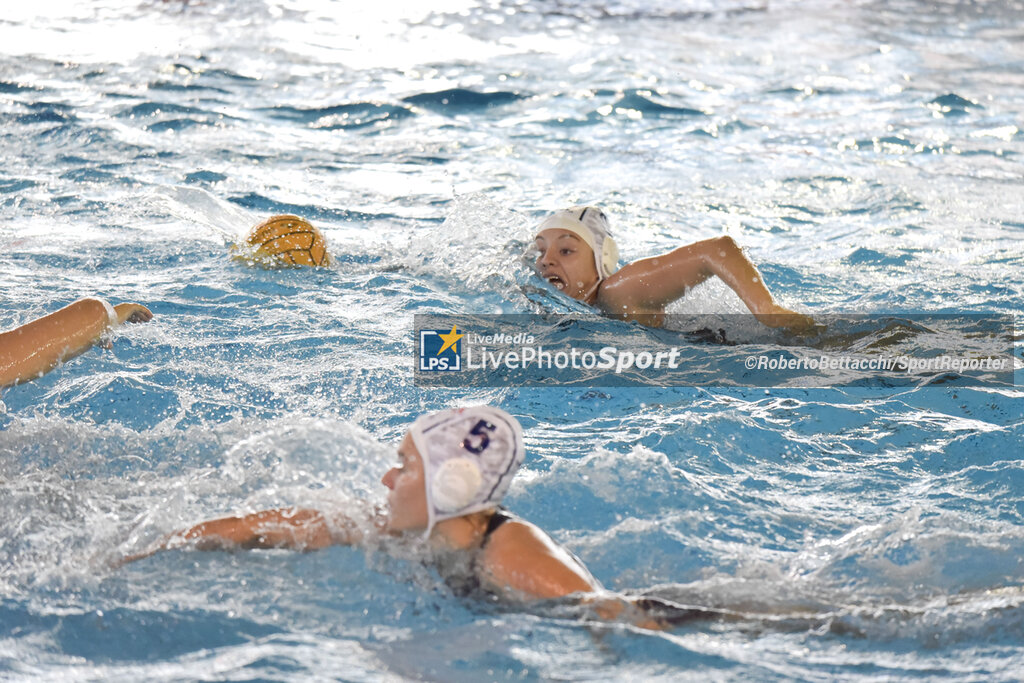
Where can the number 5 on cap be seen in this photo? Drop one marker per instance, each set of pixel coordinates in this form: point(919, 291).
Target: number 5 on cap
point(479, 429)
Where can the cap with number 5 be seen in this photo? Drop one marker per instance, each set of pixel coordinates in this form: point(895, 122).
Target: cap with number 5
point(470, 456)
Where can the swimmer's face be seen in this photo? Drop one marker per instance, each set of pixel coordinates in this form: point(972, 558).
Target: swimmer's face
point(407, 497)
point(567, 262)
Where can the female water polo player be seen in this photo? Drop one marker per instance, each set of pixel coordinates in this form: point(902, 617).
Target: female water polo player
point(580, 258)
point(35, 348)
point(454, 469)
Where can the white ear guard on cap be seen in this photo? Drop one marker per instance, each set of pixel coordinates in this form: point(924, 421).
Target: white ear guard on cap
point(455, 484)
point(469, 458)
point(591, 225)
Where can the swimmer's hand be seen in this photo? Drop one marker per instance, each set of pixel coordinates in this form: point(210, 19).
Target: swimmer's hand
point(653, 614)
point(126, 312)
point(132, 313)
point(135, 557)
point(622, 608)
point(782, 317)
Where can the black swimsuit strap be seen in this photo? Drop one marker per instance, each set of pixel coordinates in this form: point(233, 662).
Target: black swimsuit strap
point(497, 519)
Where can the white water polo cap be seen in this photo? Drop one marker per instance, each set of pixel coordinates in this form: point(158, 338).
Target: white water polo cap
point(591, 225)
point(470, 456)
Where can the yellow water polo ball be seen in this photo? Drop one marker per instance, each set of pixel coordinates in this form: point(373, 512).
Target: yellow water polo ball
point(287, 240)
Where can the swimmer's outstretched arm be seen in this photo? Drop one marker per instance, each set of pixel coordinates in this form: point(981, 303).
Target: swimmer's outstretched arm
point(291, 528)
point(35, 348)
point(650, 284)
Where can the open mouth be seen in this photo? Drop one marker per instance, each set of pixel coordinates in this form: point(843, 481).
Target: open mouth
point(556, 281)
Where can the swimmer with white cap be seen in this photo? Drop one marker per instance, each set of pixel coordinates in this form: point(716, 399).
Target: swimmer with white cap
point(579, 257)
point(454, 469)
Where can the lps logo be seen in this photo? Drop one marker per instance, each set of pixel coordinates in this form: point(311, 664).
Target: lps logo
point(440, 351)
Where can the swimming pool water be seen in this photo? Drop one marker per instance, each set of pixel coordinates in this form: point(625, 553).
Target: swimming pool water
point(867, 154)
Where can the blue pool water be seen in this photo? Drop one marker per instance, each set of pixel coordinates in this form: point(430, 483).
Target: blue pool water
point(867, 154)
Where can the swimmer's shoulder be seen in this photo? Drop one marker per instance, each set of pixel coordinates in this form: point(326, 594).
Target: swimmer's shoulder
point(521, 558)
point(615, 294)
point(507, 532)
point(618, 303)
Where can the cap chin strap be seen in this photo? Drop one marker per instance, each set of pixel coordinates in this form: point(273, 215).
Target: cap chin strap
point(592, 292)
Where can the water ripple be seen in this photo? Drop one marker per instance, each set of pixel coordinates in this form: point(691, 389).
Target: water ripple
point(343, 116)
point(456, 100)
